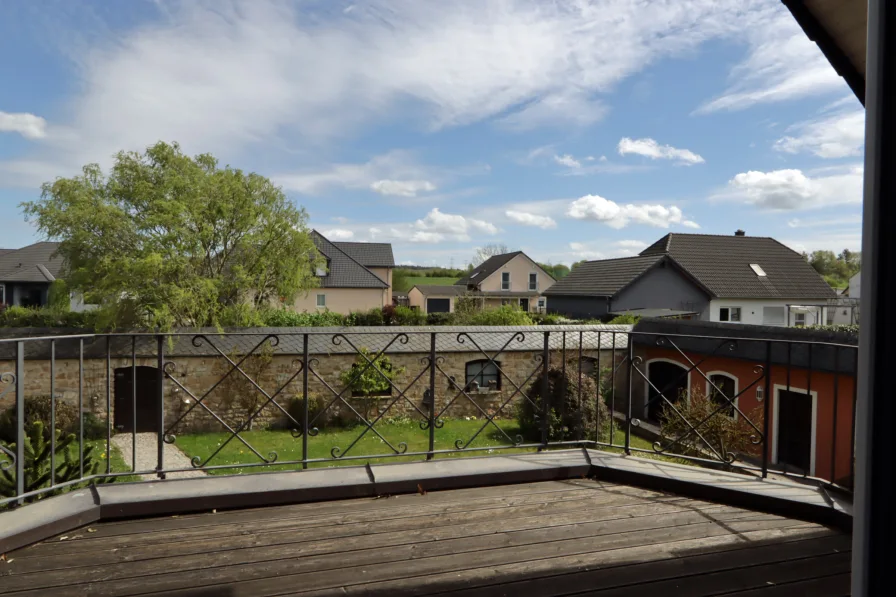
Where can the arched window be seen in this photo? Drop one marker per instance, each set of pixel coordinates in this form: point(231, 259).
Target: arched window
point(723, 391)
point(484, 373)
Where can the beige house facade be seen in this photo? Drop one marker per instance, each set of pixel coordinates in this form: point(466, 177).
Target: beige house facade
point(509, 279)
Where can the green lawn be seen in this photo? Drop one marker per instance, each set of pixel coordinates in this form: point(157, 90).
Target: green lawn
point(424, 281)
point(288, 448)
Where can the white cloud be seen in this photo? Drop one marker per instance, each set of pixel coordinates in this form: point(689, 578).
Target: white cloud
point(374, 232)
point(234, 78)
point(782, 64)
point(27, 125)
point(792, 189)
point(631, 244)
point(599, 209)
point(568, 161)
point(338, 234)
point(529, 219)
point(438, 226)
point(340, 219)
point(584, 251)
point(650, 148)
point(837, 136)
point(841, 220)
point(690, 224)
point(402, 188)
point(603, 158)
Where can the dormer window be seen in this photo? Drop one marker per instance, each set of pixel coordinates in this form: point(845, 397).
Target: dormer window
point(757, 270)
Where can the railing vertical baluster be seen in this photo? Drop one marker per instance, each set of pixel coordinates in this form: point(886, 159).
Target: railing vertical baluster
point(563, 387)
point(789, 365)
point(160, 396)
point(815, 422)
point(305, 365)
point(432, 395)
point(580, 387)
point(81, 406)
point(765, 407)
point(20, 419)
point(545, 398)
point(613, 392)
point(628, 383)
point(133, 403)
point(108, 405)
point(833, 478)
point(855, 400)
point(52, 413)
point(597, 395)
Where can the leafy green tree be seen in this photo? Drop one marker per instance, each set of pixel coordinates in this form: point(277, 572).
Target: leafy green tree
point(836, 269)
point(168, 240)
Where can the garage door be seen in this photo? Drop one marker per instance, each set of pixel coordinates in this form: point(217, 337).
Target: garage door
point(434, 305)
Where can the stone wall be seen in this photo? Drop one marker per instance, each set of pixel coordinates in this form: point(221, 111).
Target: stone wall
point(283, 372)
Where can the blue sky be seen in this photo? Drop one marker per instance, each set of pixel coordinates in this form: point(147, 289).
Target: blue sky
point(569, 129)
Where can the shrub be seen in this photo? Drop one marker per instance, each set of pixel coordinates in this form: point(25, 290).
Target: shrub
point(551, 319)
point(37, 408)
point(440, 319)
point(241, 315)
point(281, 318)
point(37, 464)
point(570, 417)
point(43, 317)
point(94, 427)
point(627, 319)
point(729, 436)
point(296, 410)
point(408, 316)
point(505, 315)
point(371, 382)
point(373, 317)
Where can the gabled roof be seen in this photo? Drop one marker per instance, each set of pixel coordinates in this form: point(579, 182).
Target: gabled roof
point(490, 266)
point(369, 254)
point(441, 290)
point(34, 263)
point(605, 277)
point(343, 270)
point(722, 264)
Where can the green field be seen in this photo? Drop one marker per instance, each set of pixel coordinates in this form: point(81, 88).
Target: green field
point(424, 281)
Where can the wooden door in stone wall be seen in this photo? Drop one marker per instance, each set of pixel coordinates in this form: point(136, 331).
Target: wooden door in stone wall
point(147, 400)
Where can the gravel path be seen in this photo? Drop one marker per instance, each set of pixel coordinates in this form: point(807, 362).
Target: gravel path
point(147, 455)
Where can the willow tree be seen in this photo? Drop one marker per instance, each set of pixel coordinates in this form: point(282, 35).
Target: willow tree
point(166, 240)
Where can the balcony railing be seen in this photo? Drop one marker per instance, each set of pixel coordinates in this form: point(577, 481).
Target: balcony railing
point(760, 406)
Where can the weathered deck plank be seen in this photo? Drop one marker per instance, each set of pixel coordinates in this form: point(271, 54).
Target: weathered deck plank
point(552, 538)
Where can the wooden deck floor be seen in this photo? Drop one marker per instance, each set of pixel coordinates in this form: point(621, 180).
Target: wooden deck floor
point(578, 537)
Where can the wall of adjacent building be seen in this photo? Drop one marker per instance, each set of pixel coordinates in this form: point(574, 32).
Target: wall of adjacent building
point(578, 307)
point(519, 267)
point(343, 300)
point(662, 288)
point(752, 310)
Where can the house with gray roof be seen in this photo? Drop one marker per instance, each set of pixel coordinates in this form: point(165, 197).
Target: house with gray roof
point(356, 277)
point(507, 279)
point(738, 278)
point(27, 273)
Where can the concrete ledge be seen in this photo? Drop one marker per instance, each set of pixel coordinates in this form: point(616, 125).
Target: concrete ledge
point(176, 496)
point(472, 472)
point(66, 512)
point(788, 499)
point(37, 521)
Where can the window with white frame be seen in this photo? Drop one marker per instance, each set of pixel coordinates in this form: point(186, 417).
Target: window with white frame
point(729, 314)
point(2, 294)
point(505, 280)
point(541, 303)
point(722, 390)
point(533, 281)
point(321, 301)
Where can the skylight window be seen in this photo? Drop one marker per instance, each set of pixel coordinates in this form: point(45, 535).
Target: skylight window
point(474, 275)
point(757, 270)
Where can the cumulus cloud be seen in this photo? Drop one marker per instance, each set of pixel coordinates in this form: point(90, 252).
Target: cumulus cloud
point(600, 209)
point(632, 244)
point(649, 148)
point(23, 123)
point(529, 219)
point(438, 226)
point(835, 136)
point(402, 188)
point(793, 190)
point(568, 161)
point(338, 234)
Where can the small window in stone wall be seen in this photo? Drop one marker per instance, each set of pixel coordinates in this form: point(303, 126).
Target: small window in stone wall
point(483, 375)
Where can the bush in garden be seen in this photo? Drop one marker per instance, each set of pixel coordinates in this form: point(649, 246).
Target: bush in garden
point(407, 316)
point(94, 427)
point(37, 469)
point(296, 410)
point(373, 317)
point(504, 315)
point(440, 319)
point(44, 317)
point(570, 417)
point(281, 318)
point(37, 408)
point(728, 435)
point(625, 319)
point(371, 382)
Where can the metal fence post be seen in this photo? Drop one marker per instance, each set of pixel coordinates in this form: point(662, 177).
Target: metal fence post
point(108, 405)
point(628, 383)
point(545, 389)
point(305, 365)
point(432, 396)
point(765, 407)
point(160, 393)
point(20, 419)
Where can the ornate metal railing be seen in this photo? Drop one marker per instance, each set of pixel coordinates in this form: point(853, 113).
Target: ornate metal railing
point(756, 405)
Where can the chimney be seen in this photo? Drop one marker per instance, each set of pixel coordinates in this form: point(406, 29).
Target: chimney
point(739, 232)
